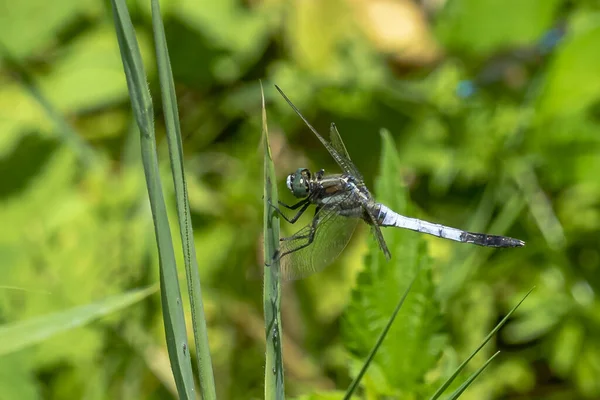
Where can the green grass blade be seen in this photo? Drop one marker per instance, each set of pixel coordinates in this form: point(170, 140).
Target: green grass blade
point(135, 74)
point(173, 317)
point(171, 114)
point(380, 340)
point(18, 335)
point(449, 381)
point(456, 394)
point(274, 388)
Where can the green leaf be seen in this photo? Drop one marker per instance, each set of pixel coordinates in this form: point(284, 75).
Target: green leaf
point(141, 102)
point(274, 387)
point(18, 335)
point(171, 113)
point(377, 345)
point(415, 343)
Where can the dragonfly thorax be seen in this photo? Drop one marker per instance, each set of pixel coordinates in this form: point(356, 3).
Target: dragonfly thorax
point(298, 182)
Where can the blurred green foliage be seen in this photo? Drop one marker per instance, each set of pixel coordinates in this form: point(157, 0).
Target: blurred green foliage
point(518, 155)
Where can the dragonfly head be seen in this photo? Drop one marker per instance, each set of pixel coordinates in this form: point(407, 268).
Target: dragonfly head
point(298, 182)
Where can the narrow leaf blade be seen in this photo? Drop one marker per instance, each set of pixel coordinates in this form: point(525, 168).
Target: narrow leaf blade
point(458, 370)
point(456, 394)
point(274, 386)
point(171, 114)
point(173, 317)
point(18, 335)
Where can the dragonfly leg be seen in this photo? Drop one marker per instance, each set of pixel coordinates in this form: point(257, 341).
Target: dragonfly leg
point(294, 206)
point(310, 236)
point(294, 237)
point(304, 204)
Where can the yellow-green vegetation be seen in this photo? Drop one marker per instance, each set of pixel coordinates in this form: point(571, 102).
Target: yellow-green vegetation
point(490, 113)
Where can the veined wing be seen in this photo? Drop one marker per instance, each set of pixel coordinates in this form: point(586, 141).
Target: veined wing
point(376, 230)
point(338, 144)
point(332, 233)
point(336, 148)
point(381, 241)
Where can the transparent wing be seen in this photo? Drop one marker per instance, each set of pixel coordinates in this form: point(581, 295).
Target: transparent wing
point(376, 230)
point(381, 241)
point(332, 234)
point(336, 148)
point(338, 145)
point(367, 207)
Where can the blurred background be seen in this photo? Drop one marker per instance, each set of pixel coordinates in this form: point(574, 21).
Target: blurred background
point(494, 106)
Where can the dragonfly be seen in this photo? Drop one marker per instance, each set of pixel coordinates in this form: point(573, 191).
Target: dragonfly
point(341, 201)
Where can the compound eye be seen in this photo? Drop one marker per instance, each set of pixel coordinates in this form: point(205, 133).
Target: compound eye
point(298, 182)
